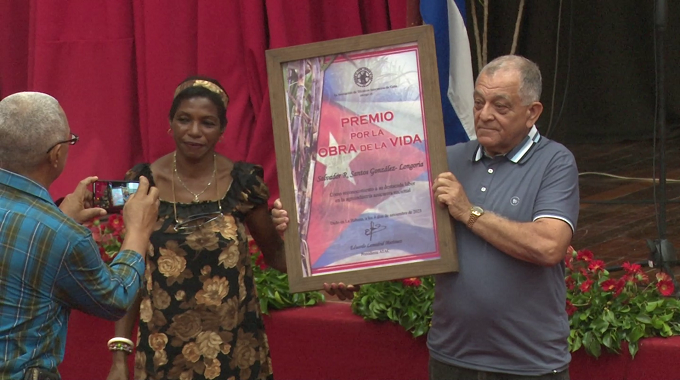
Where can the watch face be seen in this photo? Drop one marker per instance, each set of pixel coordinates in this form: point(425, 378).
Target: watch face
point(477, 210)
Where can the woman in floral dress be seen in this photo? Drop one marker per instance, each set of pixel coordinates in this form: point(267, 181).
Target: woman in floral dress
point(199, 316)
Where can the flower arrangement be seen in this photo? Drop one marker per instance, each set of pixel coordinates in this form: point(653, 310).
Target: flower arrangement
point(603, 311)
point(272, 285)
point(108, 233)
point(407, 302)
point(606, 311)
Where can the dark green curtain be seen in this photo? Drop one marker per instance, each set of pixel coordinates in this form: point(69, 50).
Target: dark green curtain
point(605, 86)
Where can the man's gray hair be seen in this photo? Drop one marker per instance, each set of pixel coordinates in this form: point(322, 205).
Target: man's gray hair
point(530, 76)
point(30, 123)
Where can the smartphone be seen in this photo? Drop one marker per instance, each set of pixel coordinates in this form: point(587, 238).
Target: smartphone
point(112, 195)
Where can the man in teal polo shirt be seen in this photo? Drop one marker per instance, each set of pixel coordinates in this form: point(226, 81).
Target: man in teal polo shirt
point(514, 196)
point(49, 263)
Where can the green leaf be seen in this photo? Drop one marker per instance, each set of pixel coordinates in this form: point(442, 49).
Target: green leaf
point(591, 344)
point(576, 344)
point(616, 342)
point(635, 335)
point(609, 316)
point(411, 315)
point(420, 330)
point(644, 318)
point(600, 325)
point(653, 305)
point(657, 323)
point(633, 349)
point(666, 330)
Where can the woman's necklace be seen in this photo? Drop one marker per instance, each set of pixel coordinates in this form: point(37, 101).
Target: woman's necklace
point(196, 195)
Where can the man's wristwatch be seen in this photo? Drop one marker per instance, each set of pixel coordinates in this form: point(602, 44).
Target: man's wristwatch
point(475, 213)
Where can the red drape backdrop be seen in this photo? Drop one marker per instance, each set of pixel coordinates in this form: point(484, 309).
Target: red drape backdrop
point(114, 65)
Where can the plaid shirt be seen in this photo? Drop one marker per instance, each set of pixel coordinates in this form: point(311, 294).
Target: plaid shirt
point(50, 264)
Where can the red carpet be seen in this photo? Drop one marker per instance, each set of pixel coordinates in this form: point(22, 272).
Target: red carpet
point(328, 342)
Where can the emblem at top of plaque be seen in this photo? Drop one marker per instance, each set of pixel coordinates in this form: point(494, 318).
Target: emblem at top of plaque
point(363, 77)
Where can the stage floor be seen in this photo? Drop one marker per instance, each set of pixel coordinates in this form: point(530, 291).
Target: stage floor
point(613, 223)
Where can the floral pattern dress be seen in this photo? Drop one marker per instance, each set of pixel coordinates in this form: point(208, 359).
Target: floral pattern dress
point(200, 315)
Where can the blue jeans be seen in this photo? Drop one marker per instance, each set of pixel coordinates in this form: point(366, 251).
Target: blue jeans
point(443, 371)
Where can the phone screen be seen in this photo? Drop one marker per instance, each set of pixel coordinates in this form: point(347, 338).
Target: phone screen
point(112, 195)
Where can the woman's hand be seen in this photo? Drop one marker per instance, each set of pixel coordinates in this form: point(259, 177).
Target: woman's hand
point(280, 219)
point(280, 216)
point(341, 290)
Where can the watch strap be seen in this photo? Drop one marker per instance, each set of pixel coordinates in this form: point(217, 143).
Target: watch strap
point(474, 215)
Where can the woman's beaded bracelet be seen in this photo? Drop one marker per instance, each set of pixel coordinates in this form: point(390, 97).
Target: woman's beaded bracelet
point(120, 344)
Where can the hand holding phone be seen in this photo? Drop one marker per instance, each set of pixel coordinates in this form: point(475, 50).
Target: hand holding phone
point(140, 215)
point(78, 205)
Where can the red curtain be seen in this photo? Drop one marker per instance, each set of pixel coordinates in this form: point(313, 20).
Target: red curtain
point(114, 65)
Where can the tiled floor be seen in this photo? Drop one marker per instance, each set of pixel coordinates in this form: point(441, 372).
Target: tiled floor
point(614, 222)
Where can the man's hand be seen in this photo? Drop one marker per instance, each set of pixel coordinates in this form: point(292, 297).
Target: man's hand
point(78, 204)
point(141, 210)
point(449, 193)
point(280, 216)
point(341, 290)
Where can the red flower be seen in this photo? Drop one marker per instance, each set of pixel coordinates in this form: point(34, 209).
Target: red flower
point(413, 281)
point(609, 285)
point(632, 268)
point(664, 284)
point(584, 255)
point(259, 261)
point(596, 266)
point(571, 309)
point(642, 277)
point(620, 284)
point(252, 247)
point(571, 283)
point(108, 236)
point(105, 256)
point(116, 222)
point(585, 286)
point(96, 234)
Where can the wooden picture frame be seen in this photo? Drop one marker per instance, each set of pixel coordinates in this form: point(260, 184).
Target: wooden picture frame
point(359, 138)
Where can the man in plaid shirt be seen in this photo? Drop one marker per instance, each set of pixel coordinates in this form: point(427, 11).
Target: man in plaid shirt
point(49, 262)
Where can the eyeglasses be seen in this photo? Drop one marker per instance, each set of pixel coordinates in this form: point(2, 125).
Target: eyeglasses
point(72, 141)
point(194, 222)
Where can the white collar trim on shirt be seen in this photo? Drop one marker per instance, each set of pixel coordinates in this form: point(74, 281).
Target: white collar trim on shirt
point(516, 154)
